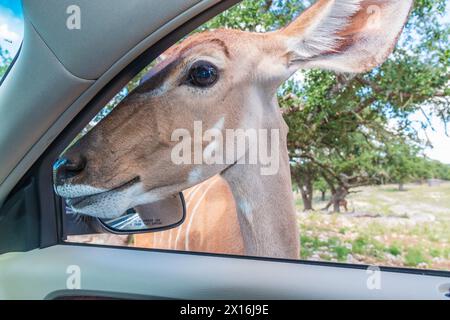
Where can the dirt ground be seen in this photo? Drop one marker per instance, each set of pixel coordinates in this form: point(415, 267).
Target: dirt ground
point(384, 226)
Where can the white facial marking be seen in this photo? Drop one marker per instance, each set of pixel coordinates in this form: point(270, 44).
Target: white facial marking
point(246, 208)
point(195, 176)
point(219, 124)
point(140, 196)
point(162, 89)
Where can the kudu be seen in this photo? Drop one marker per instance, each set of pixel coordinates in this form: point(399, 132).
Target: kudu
point(227, 79)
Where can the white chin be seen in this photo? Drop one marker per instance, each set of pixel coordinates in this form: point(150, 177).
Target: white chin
point(102, 212)
point(110, 205)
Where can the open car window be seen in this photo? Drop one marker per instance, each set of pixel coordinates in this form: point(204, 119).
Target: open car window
point(362, 176)
point(11, 33)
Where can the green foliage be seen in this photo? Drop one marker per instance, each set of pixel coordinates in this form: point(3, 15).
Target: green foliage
point(257, 15)
point(5, 61)
point(320, 184)
point(360, 244)
point(401, 162)
point(394, 250)
point(414, 256)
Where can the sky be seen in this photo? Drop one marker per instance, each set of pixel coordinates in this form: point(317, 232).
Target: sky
point(11, 34)
point(436, 134)
point(11, 25)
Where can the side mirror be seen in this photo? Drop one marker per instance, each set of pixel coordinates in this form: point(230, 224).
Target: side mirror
point(157, 216)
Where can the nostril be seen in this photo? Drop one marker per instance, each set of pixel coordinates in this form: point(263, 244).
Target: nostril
point(67, 168)
point(75, 166)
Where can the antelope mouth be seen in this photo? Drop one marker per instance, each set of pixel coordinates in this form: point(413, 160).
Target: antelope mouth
point(111, 203)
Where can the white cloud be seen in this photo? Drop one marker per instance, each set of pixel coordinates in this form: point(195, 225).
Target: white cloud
point(7, 34)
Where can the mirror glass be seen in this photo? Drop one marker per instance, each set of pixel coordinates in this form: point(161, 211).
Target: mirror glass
point(156, 216)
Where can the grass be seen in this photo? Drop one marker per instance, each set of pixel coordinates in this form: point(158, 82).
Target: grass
point(413, 229)
point(415, 257)
point(394, 250)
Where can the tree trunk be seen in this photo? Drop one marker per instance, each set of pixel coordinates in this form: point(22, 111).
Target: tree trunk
point(305, 184)
point(336, 205)
point(323, 195)
point(307, 200)
point(401, 186)
point(307, 193)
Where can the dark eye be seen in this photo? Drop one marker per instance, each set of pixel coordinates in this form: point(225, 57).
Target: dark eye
point(202, 74)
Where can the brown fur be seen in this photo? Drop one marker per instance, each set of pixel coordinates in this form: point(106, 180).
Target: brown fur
point(214, 228)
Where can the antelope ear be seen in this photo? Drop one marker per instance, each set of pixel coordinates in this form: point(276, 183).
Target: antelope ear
point(345, 35)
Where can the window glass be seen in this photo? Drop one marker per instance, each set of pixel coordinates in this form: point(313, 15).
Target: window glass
point(11, 32)
point(362, 176)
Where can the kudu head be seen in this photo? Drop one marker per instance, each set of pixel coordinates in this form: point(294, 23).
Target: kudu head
point(227, 79)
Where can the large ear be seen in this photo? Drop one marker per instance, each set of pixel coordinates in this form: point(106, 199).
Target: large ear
point(345, 35)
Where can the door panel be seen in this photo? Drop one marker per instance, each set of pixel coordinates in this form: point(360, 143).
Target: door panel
point(42, 273)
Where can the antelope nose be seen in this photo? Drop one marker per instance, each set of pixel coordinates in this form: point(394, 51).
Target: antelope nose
point(66, 168)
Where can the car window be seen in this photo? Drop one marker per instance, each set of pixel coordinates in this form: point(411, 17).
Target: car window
point(288, 144)
point(11, 32)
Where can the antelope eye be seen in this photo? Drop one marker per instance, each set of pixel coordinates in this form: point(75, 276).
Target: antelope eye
point(202, 74)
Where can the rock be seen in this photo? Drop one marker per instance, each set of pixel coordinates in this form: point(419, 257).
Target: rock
point(422, 265)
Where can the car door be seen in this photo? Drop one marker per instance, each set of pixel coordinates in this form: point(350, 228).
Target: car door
point(71, 75)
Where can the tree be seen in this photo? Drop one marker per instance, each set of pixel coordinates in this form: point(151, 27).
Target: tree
point(5, 61)
point(304, 176)
point(401, 163)
point(321, 185)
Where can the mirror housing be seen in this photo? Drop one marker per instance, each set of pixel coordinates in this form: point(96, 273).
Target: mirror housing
point(153, 217)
